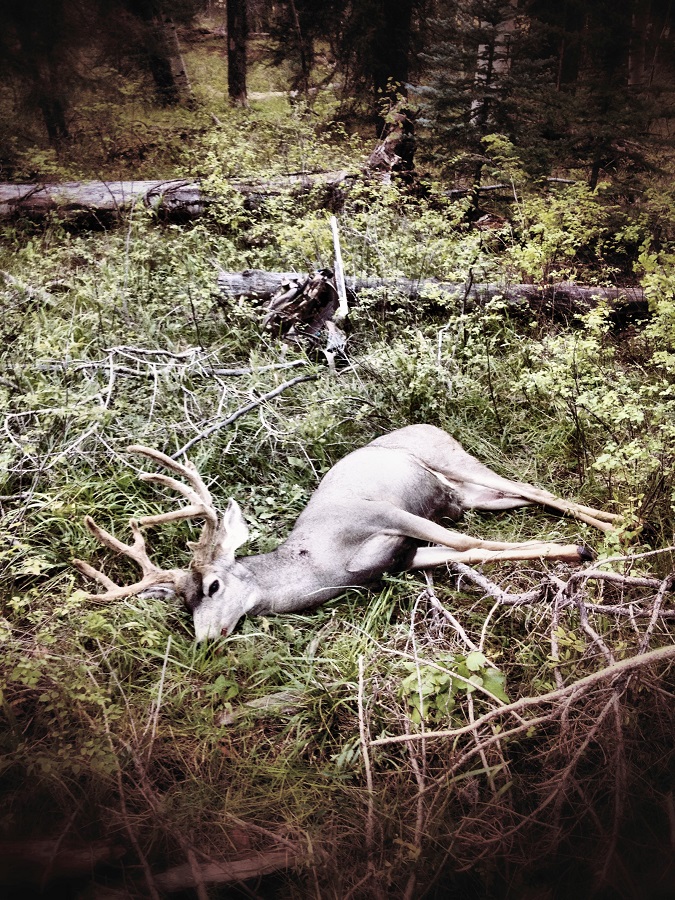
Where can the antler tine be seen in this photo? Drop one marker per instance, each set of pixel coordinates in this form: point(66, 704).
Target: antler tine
point(196, 492)
point(200, 505)
point(152, 574)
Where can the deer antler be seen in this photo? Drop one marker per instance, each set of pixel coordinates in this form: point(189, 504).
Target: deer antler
point(200, 506)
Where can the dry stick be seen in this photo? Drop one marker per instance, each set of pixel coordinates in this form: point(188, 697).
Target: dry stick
point(479, 746)
point(431, 665)
point(418, 671)
point(83, 365)
point(615, 578)
point(145, 865)
point(343, 309)
point(561, 778)
point(409, 892)
point(54, 852)
point(493, 590)
point(216, 426)
point(147, 789)
point(619, 771)
point(363, 733)
point(436, 603)
point(629, 611)
point(371, 873)
point(267, 832)
point(200, 887)
point(618, 668)
point(253, 865)
point(631, 557)
point(158, 703)
point(665, 585)
point(484, 630)
point(555, 650)
point(592, 633)
point(504, 598)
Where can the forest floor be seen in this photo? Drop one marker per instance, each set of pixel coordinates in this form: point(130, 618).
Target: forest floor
point(521, 746)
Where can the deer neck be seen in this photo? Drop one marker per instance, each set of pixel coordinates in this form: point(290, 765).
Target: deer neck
point(281, 582)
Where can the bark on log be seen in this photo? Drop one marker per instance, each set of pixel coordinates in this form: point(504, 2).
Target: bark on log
point(100, 199)
point(175, 200)
point(567, 296)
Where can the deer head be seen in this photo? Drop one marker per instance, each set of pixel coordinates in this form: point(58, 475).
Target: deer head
point(214, 587)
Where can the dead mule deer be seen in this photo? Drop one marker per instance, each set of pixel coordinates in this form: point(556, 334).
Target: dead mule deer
point(375, 511)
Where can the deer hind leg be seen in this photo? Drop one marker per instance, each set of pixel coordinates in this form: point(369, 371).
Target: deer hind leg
point(481, 488)
point(428, 557)
point(458, 547)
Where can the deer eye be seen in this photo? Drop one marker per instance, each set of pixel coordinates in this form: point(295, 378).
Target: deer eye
point(213, 587)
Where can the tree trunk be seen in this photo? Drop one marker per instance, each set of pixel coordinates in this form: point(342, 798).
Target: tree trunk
point(304, 51)
point(101, 201)
point(569, 47)
point(39, 37)
point(166, 63)
point(237, 36)
point(492, 63)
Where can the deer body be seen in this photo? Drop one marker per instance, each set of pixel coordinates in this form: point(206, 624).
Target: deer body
point(374, 512)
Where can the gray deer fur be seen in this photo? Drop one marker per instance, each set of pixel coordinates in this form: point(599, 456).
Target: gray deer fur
point(375, 511)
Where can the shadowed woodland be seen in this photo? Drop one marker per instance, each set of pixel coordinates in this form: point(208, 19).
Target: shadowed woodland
point(179, 181)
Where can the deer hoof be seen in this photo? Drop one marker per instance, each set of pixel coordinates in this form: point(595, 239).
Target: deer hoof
point(585, 553)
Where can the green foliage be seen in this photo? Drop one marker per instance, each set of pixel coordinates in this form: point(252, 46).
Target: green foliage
point(430, 690)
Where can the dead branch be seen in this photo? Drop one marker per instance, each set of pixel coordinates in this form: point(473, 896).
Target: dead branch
point(573, 690)
point(365, 753)
point(437, 605)
point(174, 200)
point(253, 865)
point(223, 423)
point(39, 862)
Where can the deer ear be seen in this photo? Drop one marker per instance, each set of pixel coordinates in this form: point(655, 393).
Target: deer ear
point(233, 530)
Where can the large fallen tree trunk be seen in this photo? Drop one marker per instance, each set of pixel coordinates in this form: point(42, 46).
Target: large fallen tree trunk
point(175, 200)
point(566, 296)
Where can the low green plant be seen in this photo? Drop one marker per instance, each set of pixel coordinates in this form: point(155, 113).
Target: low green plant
point(431, 690)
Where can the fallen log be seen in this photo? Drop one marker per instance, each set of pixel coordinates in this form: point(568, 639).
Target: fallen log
point(254, 865)
point(100, 199)
point(565, 297)
point(174, 199)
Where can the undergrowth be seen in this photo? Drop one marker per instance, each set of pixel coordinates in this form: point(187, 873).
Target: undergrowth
point(118, 729)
